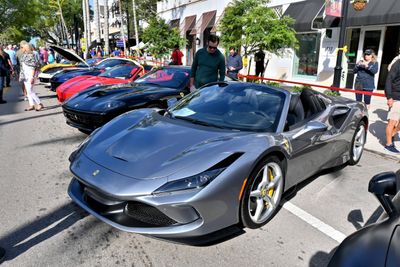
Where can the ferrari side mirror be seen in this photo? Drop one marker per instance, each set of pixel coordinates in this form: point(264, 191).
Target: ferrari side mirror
point(383, 186)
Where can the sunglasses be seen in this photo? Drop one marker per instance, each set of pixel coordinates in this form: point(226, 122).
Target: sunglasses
point(212, 47)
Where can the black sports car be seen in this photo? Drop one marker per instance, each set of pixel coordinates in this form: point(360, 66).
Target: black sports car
point(377, 244)
point(103, 65)
point(94, 107)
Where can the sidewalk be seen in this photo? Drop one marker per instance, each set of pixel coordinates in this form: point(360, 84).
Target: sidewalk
point(376, 137)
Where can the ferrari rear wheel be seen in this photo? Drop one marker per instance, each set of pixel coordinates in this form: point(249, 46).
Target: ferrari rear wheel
point(263, 193)
point(357, 143)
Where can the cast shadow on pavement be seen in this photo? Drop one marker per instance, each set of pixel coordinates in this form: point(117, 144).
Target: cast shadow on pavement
point(321, 258)
point(381, 113)
point(25, 237)
point(378, 129)
point(30, 118)
point(356, 217)
point(73, 139)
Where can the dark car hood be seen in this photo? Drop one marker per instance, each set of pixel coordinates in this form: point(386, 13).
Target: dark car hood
point(159, 147)
point(71, 56)
point(77, 72)
point(94, 99)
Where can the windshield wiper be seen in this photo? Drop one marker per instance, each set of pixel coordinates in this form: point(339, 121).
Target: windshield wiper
point(194, 121)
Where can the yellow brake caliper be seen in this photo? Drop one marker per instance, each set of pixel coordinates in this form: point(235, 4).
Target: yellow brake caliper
point(271, 191)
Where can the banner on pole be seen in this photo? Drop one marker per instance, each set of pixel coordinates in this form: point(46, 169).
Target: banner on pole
point(333, 8)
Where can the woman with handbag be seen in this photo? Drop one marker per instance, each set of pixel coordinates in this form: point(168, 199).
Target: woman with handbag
point(27, 75)
point(365, 80)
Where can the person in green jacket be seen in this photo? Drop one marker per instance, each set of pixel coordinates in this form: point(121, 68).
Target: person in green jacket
point(208, 64)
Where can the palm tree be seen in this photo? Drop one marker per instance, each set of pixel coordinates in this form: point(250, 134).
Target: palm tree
point(106, 29)
point(97, 25)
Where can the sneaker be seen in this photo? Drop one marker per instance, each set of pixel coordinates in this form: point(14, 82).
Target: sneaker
point(3, 101)
point(25, 99)
point(391, 148)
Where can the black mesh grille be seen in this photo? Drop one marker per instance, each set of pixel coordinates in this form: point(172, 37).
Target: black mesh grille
point(148, 214)
point(83, 118)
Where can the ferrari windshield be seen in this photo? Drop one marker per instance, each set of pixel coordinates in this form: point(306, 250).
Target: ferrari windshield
point(90, 62)
point(109, 63)
point(166, 77)
point(122, 72)
point(234, 106)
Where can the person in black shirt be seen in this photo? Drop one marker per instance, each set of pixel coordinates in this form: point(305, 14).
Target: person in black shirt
point(259, 58)
point(392, 91)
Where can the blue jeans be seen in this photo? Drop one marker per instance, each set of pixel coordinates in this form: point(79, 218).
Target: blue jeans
point(2, 78)
point(367, 98)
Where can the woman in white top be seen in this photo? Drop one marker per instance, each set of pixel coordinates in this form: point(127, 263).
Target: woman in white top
point(28, 70)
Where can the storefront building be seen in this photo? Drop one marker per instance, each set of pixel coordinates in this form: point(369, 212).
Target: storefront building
point(196, 19)
point(376, 27)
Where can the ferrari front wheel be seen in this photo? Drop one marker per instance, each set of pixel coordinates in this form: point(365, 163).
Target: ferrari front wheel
point(263, 193)
point(357, 143)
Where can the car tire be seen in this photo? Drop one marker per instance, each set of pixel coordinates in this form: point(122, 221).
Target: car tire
point(85, 131)
point(357, 143)
point(263, 193)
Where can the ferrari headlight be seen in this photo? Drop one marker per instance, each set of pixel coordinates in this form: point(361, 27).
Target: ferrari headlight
point(81, 146)
point(113, 105)
point(193, 182)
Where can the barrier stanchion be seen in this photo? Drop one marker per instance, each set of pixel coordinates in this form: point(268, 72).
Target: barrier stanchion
point(313, 85)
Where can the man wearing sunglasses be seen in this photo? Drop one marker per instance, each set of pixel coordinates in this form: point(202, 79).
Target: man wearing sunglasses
point(208, 64)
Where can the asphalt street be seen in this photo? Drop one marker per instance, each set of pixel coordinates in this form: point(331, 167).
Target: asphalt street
point(40, 225)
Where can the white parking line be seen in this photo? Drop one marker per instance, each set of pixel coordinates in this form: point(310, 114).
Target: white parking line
point(314, 222)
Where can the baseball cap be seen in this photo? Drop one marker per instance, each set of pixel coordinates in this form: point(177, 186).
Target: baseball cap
point(368, 52)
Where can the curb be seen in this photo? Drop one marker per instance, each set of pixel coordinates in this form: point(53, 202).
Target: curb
point(383, 154)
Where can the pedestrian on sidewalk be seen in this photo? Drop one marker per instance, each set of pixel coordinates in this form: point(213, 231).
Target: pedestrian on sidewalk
point(29, 69)
point(365, 80)
point(234, 63)
point(392, 91)
point(3, 73)
point(20, 53)
point(176, 56)
point(259, 58)
point(208, 64)
point(9, 67)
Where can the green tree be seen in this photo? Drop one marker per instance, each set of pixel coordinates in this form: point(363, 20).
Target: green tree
point(161, 38)
point(251, 24)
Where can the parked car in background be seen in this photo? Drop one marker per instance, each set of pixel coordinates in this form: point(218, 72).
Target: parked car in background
point(222, 156)
point(377, 244)
point(120, 74)
point(96, 106)
point(46, 76)
point(100, 67)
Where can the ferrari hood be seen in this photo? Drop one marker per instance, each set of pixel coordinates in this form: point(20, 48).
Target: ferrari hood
point(159, 147)
point(95, 99)
point(68, 54)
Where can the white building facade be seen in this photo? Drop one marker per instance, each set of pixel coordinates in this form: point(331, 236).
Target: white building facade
point(377, 27)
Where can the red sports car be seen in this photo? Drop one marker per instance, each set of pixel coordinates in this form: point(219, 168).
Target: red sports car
point(117, 75)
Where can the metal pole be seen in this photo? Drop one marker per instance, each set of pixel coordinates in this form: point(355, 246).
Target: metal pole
point(342, 39)
point(135, 23)
point(122, 26)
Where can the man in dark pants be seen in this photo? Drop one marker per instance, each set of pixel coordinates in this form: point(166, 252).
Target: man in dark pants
point(2, 254)
point(234, 63)
point(259, 58)
point(392, 91)
point(208, 65)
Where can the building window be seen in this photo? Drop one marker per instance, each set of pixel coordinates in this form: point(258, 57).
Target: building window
point(306, 57)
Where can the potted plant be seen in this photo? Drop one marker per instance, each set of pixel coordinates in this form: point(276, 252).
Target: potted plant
point(359, 5)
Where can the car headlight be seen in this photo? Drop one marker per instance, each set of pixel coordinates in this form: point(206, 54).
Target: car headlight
point(194, 182)
point(112, 105)
point(82, 145)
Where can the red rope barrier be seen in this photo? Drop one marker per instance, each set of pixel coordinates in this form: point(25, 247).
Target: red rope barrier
point(314, 85)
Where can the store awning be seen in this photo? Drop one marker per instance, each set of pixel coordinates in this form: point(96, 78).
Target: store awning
point(377, 12)
point(187, 24)
point(304, 14)
point(205, 21)
point(215, 27)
